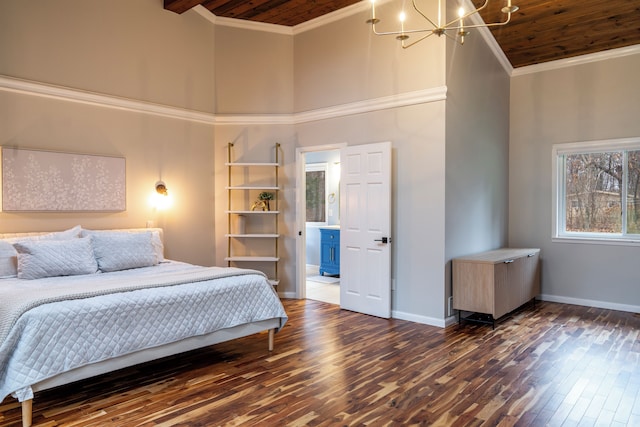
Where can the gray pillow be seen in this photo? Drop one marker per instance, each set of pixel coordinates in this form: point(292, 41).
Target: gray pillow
point(121, 250)
point(47, 258)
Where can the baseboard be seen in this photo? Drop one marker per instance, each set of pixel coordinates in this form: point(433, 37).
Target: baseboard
point(591, 303)
point(431, 321)
point(451, 320)
point(288, 295)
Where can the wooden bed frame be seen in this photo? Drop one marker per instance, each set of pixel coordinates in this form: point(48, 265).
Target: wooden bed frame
point(147, 355)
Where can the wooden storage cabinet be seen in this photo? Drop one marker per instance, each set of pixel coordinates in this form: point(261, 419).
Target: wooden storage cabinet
point(496, 282)
point(330, 251)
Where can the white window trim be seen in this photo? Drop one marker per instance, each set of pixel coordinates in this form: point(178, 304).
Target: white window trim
point(558, 186)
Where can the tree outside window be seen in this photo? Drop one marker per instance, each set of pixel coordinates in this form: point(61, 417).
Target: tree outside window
point(598, 190)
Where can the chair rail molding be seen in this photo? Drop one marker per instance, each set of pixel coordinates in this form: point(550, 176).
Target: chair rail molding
point(27, 87)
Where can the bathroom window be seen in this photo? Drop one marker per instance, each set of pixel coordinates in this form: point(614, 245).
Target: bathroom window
point(316, 192)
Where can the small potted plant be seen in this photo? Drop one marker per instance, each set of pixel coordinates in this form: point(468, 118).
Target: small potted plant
point(265, 196)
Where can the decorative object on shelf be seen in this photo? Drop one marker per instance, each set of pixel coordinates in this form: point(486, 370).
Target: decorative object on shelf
point(259, 205)
point(41, 181)
point(240, 224)
point(455, 29)
point(265, 196)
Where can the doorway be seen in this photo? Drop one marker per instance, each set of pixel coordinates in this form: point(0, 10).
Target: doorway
point(319, 205)
point(364, 231)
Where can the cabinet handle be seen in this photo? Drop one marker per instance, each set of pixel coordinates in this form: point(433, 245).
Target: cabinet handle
point(509, 261)
point(530, 255)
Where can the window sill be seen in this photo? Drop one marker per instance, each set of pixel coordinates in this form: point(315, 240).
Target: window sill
point(596, 241)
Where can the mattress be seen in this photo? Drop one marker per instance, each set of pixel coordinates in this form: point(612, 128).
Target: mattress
point(59, 335)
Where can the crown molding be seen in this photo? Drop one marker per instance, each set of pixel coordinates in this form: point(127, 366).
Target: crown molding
point(578, 60)
point(283, 29)
point(205, 13)
point(241, 23)
point(334, 16)
point(487, 36)
point(10, 84)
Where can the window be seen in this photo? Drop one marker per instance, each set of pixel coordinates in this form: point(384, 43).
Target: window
point(597, 191)
point(316, 191)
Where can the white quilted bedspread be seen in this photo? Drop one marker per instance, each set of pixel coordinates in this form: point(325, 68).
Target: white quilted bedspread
point(57, 337)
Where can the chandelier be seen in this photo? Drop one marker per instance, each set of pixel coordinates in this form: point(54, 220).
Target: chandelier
point(455, 29)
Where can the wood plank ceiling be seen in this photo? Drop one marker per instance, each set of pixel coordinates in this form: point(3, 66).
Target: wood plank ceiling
point(541, 31)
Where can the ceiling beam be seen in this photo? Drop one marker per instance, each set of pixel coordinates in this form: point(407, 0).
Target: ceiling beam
point(180, 6)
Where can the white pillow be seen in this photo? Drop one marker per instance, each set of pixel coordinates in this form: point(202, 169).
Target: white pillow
point(9, 256)
point(116, 251)
point(8, 260)
point(48, 258)
point(156, 240)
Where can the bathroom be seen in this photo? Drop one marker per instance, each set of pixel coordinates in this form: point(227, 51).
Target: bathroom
point(323, 212)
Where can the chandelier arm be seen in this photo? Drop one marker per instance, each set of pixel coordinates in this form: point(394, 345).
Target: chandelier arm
point(416, 41)
point(495, 24)
point(466, 15)
point(395, 33)
point(415, 6)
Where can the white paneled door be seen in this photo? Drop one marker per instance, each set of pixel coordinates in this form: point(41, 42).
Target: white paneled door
point(365, 226)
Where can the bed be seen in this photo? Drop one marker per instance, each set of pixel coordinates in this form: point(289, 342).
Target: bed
point(80, 303)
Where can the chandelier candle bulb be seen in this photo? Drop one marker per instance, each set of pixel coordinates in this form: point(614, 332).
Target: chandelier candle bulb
point(373, 21)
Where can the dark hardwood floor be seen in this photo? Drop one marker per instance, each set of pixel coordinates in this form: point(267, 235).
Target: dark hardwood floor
point(554, 365)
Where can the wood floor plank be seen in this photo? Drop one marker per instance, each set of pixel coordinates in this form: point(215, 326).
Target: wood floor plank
point(547, 365)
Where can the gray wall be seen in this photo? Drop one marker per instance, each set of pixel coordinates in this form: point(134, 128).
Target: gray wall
point(477, 151)
point(140, 52)
point(254, 71)
point(134, 51)
point(448, 157)
point(343, 62)
point(130, 49)
point(585, 102)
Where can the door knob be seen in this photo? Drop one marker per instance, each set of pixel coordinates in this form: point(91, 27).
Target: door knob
point(383, 240)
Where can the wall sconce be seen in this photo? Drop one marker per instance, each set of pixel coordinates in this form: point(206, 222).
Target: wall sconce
point(161, 188)
point(161, 199)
